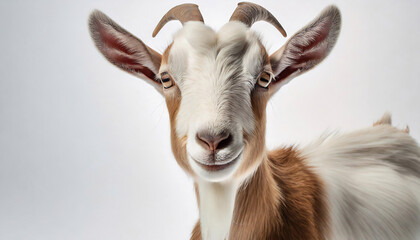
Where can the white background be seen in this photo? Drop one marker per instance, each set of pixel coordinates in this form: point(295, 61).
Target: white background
point(84, 147)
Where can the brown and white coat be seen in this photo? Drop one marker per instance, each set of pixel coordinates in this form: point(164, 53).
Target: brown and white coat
point(361, 185)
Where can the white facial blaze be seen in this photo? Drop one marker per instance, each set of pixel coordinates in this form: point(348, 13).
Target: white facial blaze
point(215, 73)
point(215, 89)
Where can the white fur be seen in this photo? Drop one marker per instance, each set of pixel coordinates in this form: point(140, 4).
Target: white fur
point(372, 180)
point(372, 176)
point(215, 72)
point(216, 208)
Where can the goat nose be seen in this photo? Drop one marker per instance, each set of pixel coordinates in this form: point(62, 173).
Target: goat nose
point(214, 142)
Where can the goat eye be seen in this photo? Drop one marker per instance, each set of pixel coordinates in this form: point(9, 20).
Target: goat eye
point(166, 80)
point(264, 80)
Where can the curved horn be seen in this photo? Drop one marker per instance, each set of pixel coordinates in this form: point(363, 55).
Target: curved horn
point(249, 13)
point(184, 13)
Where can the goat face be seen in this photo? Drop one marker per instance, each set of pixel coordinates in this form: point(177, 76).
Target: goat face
point(217, 84)
point(213, 82)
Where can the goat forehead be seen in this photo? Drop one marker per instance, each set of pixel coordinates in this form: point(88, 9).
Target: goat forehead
point(232, 51)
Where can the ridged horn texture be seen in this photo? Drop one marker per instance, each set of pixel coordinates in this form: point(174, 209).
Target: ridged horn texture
point(249, 13)
point(184, 13)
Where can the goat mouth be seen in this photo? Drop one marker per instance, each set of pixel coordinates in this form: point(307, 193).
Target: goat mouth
point(214, 167)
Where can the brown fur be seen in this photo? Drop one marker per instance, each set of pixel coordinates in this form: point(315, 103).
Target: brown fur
point(173, 100)
point(303, 209)
point(255, 143)
point(284, 199)
point(165, 55)
point(281, 197)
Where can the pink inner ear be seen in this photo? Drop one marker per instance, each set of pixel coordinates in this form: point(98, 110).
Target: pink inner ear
point(111, 41)
point(320, 34)
point(147, 72)
point(285, 73)
point(308, 49)
point(120, 54)
point(129, 63)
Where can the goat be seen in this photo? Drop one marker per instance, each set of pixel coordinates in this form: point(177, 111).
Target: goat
point(360, 185)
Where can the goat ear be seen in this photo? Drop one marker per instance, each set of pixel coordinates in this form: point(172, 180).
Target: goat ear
point(123, 49)
point(306, 48)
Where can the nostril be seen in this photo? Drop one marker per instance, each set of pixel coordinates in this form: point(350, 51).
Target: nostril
point(224, 141)
point(214, 142)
